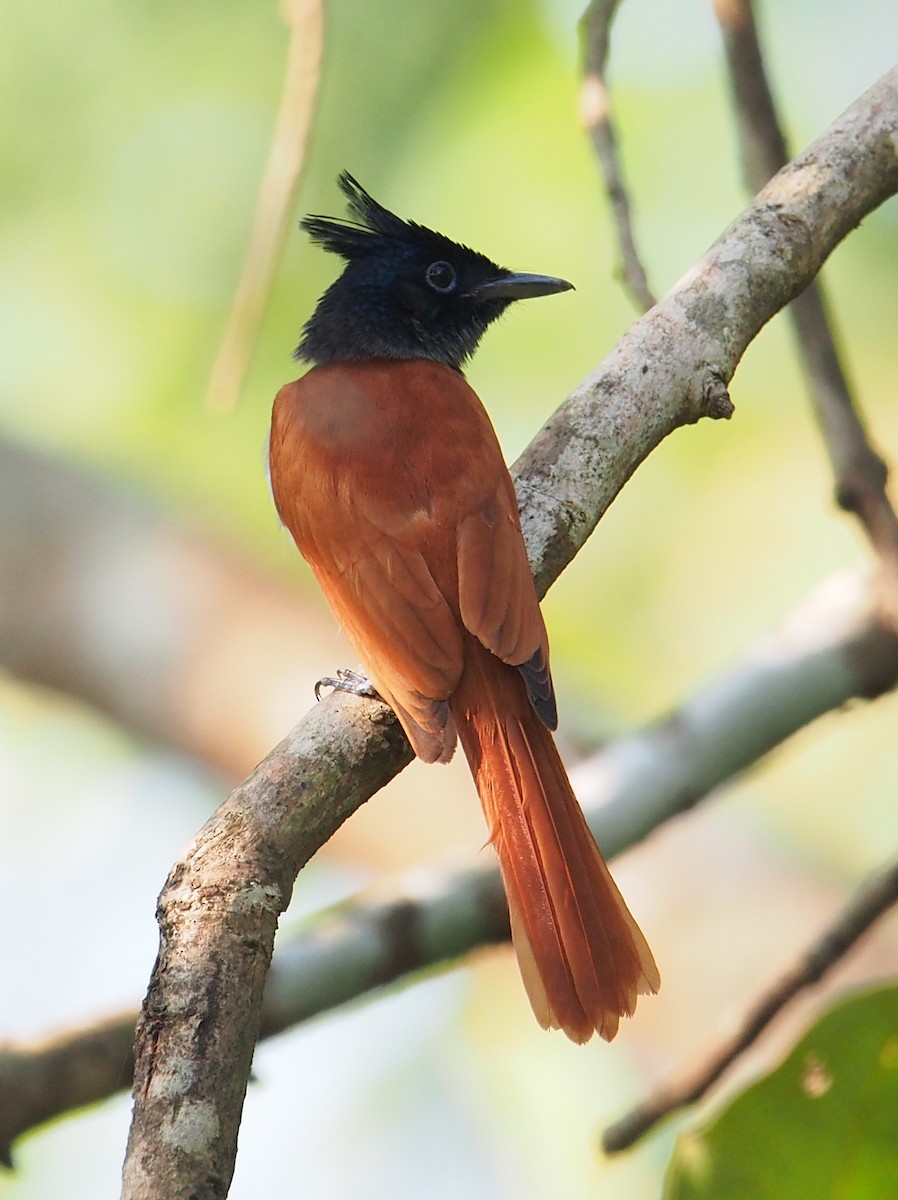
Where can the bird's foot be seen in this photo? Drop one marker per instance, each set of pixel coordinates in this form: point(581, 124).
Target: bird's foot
point(346, 680)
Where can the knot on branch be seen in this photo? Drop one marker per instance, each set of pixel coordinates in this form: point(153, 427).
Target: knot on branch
point(859, 488)
point(716, 402)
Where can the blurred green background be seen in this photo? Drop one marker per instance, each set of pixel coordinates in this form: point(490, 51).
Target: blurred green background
point(135, 138)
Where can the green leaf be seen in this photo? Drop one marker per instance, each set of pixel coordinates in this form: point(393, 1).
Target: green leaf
point(822, 1126)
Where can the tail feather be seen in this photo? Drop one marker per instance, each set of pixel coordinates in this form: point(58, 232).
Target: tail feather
point(583, 958)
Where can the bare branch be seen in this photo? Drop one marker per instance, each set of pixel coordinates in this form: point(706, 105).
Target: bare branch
point(672, 366)
point(41, 1080)
point(219, 908)
point(860, 473)
point(866, 906)
point(762, 142)
point(830, 651)
point(280, 182)
point(217, 915)
point(595, 113)
point(195, 630)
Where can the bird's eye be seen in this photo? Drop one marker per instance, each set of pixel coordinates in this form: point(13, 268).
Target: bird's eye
point(441, 276)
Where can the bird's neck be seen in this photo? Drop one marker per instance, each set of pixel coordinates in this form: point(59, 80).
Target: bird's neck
point(360, 327)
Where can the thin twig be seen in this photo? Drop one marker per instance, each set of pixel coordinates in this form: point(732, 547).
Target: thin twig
point(595, 113)
point(860, 473)
point(280, 181)
point(866, 906)
point(830, 651)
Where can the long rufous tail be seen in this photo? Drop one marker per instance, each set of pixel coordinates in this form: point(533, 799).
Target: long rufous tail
point(583, 958)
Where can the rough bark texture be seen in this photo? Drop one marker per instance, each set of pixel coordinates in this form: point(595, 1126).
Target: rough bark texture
point(217, 917)
point(672, 366)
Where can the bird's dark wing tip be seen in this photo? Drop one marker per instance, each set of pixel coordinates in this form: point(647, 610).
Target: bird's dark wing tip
point(538, 680)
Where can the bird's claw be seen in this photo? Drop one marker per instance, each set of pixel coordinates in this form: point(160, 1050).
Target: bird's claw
point(350, 681)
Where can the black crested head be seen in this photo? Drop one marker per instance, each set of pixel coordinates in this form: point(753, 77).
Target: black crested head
point(406, 292)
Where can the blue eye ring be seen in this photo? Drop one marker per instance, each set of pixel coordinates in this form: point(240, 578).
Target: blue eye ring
point(441, 276)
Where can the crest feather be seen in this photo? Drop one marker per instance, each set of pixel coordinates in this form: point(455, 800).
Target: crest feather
point(358, 237)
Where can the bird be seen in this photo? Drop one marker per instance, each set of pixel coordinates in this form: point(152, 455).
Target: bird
point(387, 472)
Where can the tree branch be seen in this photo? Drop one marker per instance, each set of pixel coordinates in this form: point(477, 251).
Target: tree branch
point(860, 473)
point(45, 1079)
point(832, 650)
point(219, 908)
point(104, 598)
point(866, 906)
point(673, 365)
point(217, 916)
point(595, 113)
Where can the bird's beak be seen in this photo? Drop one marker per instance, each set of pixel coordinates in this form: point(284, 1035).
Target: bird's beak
point(518, 286)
